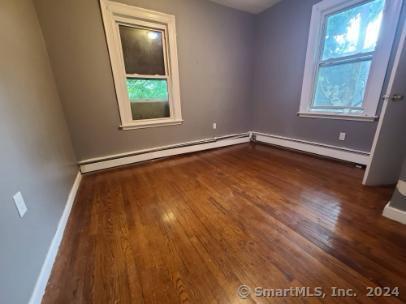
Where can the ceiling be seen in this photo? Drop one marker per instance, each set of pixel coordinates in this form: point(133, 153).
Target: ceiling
point(251, 6)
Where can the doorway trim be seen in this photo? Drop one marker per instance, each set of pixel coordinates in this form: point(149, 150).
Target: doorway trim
point(399, 51)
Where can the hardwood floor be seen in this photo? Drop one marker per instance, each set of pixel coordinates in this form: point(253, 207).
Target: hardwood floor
point(192, 229)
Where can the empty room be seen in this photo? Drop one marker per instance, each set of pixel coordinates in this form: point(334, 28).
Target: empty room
point(202, 151)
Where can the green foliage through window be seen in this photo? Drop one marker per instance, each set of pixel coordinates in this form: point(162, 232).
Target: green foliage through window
point(140, 89)
point(342, 85)
point(341, 82)
point(353, 31)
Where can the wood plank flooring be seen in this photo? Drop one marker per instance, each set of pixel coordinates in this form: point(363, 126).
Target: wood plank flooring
point(192, 229)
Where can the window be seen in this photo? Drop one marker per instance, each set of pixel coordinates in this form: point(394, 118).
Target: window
point(348, 52)
point(143, 54)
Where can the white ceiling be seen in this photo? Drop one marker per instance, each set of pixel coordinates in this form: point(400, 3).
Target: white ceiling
point(251, 6)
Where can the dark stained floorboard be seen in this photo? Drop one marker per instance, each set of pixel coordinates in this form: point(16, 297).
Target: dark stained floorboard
point(193, 228)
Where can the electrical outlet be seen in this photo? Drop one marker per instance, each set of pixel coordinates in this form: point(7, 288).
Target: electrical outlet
point(20, 204)
point(214, 126)
point(342, 136)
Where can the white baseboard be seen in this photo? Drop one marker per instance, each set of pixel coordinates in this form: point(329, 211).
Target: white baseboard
point(46, 269)
point(354, 156)
point(394, 214)
point(112, 161)
point(401, 186)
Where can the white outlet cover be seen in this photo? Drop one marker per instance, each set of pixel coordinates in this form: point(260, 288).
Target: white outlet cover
point(214, 125)
point(20, 204)
point(342, 136)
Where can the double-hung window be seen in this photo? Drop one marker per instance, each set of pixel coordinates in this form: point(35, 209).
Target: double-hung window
point(348, 52)
point(143, 54)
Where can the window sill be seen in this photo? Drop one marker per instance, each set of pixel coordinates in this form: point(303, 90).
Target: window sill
point(338, 116)
point(151, 124)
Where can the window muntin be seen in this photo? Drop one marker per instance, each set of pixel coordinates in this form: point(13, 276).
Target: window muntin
point(143, 54)
point(348, 46)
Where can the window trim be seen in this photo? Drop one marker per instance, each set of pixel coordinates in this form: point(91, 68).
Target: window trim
point(114, 14)
point(379, 63)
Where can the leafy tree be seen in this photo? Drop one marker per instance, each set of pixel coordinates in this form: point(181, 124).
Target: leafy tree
point(340, 38)
point(347, 33)
point(147, 89)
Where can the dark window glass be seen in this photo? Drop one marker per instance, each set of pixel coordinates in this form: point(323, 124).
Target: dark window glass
point(143, 51)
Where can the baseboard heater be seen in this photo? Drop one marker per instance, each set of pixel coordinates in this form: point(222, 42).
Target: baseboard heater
point(111, 161)
point(328, 151)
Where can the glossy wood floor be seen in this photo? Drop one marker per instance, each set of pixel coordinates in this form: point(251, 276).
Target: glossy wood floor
point(192, 229)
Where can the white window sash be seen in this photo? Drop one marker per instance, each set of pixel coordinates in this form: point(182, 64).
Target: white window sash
point(347, 59)
point(117, 13)
point(154, 27)
point(379, 63)
point(147, 76)
point(334, 62)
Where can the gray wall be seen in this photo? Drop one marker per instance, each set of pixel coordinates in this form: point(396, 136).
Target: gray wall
point(36, 156)
point(281, 42)
point(215, 47)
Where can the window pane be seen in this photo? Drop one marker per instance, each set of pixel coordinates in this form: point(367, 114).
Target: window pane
point(353, 31)
point(143, 51)
point(149, 98)
point(341, 85)
point(147, 89)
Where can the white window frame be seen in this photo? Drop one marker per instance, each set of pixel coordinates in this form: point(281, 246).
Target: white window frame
point(114, 14)
point(379, 63)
